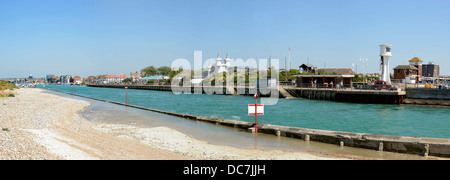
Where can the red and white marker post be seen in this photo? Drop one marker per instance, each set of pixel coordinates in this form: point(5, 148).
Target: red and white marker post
point(256, 109)
point(126, 96)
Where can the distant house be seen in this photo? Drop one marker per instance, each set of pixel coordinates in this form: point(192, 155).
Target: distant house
point(90, 79)
point(111, 79)
point(307, 68)
point(77, 80)
point(135, 77)
point(115, 79)
point(65, 79)
point(51, 78)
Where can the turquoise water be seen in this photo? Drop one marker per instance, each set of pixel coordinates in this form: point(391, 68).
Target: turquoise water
point(403, 120)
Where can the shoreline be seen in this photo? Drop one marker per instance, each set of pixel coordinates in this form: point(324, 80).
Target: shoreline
point(423, 146)
point(53, 128)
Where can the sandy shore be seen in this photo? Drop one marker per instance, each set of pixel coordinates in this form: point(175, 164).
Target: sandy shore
point(37, 125)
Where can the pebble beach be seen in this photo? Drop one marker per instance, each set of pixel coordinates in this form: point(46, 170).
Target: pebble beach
point(36, 125)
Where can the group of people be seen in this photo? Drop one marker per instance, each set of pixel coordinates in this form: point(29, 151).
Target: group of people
point(440, 84)
point(326, 85)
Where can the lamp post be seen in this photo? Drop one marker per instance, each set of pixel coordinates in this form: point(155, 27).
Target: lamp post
point(364, 60)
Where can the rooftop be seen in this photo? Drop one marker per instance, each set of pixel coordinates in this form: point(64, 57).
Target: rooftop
point(415, 59)
point(338, 75)
point(406, 67)
point(346, 71)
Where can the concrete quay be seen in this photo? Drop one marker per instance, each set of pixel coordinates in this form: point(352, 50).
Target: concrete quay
point(232, 90)
point(350, 95)
point(341, 95)
point(428, 96)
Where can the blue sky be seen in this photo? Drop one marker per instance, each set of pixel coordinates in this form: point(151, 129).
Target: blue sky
point(92, 37)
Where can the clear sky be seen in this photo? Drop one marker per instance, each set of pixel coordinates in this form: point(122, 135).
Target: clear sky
point(93, 37)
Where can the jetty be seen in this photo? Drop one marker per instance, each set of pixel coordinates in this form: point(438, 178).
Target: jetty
point(331, 94)
point(233, 90)
point(349, 95)
point(418, 96)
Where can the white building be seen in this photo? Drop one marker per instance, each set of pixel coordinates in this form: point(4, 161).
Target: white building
point(385, 53)
point(219, 66)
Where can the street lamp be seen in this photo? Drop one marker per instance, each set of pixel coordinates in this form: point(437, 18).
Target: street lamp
point(364, 60)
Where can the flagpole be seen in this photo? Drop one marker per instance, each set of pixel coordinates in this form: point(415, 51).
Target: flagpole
point(290, 64)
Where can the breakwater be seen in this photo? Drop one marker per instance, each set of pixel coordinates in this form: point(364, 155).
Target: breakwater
point(354, 96)
point(249, 91)
point(404, 144)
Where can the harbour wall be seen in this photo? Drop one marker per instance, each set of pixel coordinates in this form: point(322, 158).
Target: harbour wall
point(403, 144)
point(192, 89)
point(375, 97)
point(365, 96)
point(428, 93)
point(428, 96)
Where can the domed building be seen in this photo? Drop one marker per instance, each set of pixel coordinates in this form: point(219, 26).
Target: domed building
point(219, 66)
point(415, 71)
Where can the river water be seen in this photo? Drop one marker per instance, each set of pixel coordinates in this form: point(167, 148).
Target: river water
point(401, 120)
point(102, 112)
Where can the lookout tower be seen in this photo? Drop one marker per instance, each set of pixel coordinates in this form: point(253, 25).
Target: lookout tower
point(385, 53)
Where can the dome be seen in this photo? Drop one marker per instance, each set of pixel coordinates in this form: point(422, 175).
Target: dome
point(415, 59)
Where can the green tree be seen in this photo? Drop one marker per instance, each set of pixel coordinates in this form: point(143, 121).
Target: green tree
point(164, 70)
point(126, 80)
point(150, 71)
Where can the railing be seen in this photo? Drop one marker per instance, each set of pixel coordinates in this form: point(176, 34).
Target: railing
point(428, 86)
point(346, 87)
point(316, 85)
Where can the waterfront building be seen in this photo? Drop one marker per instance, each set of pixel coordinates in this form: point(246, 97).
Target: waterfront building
point(101, 79)
point(111, 79)
point(406, 74)
point(336, 71)
point(307, 68)
point(115, 79)
point(324, 80)
point(65, 79)
point(76, 80)
point(415, 71)
point(430, 70)
point(135, 77)
point(52, 78)
point(219, 66)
